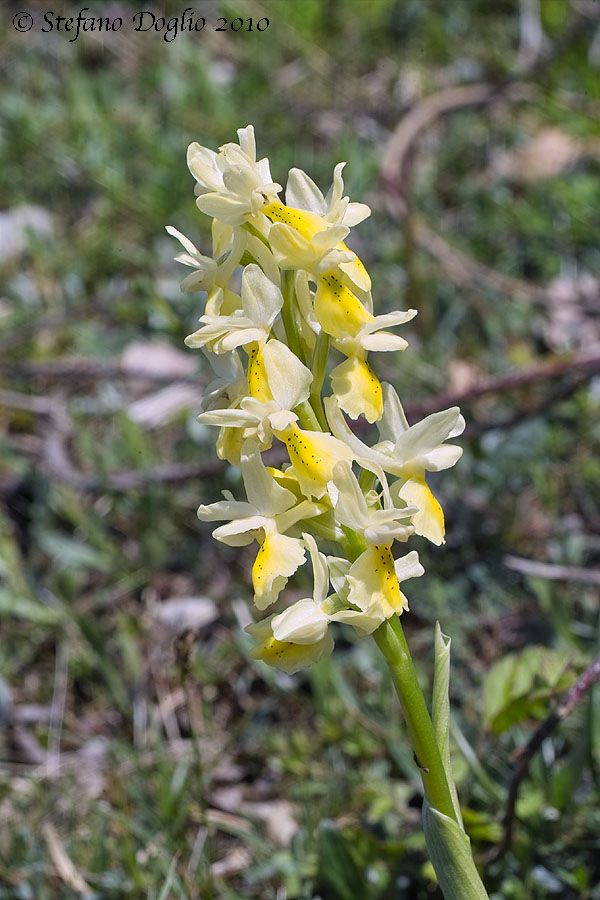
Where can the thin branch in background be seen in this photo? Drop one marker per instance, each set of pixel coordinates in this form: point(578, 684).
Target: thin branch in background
point(420, 117)
point(14, 400)
point(561, 392)
point(86, 368)
point(581, 363)
point(525, 754)
point(512, 88)
point(55, 459)
point(552, 572)
point(464, 271)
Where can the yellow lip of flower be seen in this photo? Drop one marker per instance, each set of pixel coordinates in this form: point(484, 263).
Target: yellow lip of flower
point(357, 388)
point(298, 636)
point(258, 382)
point(374, 579)
point(308, 224)
point(339, 311)
point(313, 456)
point(261, 302)
point(277, 382)
point(429, 521)
point(374, 572)
point(278, 557)
point(288, 657)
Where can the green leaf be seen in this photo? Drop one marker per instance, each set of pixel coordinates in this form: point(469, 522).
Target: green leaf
point(450, 853)
point(339, 877)
point(73, 554)
point(441, 708)
point(519, 686)
point(566, 777)
point(18, 607)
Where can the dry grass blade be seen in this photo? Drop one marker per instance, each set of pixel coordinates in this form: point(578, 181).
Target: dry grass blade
point(63, 864)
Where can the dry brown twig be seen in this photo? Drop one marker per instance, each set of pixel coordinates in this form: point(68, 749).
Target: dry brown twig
point(82, 368)
point(56, 462)
point(587, 364)
point(551, 572)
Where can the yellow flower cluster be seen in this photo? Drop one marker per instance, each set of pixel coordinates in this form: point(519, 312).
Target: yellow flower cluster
point(268, 336)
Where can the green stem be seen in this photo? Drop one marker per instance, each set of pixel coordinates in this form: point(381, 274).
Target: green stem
point(289, 318)
point(319, 367)
point(392, 643)
point(307, 416)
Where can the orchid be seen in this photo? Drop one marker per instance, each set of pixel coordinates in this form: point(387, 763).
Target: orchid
point(231, 184)
point(277, 383)
point(349, 504)
point(260, 301)
point(209, 273)
point(270, 511)
point(408, 452)
point(354, 383)
point(298, 636)
point(302, 193)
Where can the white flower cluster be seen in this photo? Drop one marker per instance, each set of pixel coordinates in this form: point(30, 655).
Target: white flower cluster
point(303, 293)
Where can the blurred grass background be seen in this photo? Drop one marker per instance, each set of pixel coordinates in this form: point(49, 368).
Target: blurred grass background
point(142, 753)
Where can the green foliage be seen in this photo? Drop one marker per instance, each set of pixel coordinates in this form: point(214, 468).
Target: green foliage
point(340, 876)
point(519, 686)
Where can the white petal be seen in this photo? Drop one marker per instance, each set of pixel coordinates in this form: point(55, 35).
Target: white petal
point(262, 490)
point(230, 418)
point(223, 207)
point(247, 141)
point(338, 425)
point(320, 570)
point(393, 422)
point(239, 532)
point(302, 623)
point(334, 195)
point(365, 622)
point(442, 458)
point(350, 505)
point(261, 299)
point(356, 213)
point(225, 509)
point(289, 379)
point(280, 420)
point(383, 342)
point(458, 428)
point(427, 434)
point(202, 164)
point(331, 237)
point(388, 320)
point(264, 257)
point(408, 566)
point(240, 337)
point(185, 242)
point(338, 569)
point(302, 193)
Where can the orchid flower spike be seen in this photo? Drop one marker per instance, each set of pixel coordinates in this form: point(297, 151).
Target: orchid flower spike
point(284, 288)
